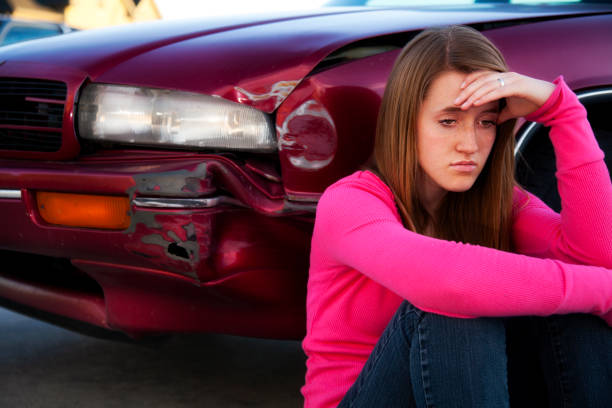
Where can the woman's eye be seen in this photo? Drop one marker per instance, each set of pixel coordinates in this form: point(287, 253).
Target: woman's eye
point(488, 123)
point(447, 122)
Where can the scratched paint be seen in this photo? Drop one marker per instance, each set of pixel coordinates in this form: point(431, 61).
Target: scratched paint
point(178, 242)
point(142, 217)
point(275, 96)
point(177, 183)
point(308, 136)
point(170, 238)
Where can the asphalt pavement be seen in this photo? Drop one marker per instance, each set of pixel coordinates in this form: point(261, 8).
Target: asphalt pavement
point(42, 365)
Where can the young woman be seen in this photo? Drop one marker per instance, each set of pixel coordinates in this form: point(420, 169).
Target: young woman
point(437, 244)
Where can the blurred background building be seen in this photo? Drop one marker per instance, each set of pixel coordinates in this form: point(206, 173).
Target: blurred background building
point(82, 14)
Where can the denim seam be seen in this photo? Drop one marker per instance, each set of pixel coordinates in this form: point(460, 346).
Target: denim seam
point(560, 361)
point(424, 365)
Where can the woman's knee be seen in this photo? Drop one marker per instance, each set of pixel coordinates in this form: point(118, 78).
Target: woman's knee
point(461, 362)
point(576, 359)
point(486, 333)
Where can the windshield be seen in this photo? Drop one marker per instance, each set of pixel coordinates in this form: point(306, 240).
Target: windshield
point(378, 3)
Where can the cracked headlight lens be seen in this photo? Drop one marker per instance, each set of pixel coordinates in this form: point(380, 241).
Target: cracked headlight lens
point(161, 117)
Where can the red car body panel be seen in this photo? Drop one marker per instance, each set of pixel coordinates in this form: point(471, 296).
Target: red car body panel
point(560, 46)
point(240, 266)
point(226, 256)
point(220, 57)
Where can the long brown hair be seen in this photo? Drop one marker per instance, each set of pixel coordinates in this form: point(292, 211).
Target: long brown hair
point(481, 215)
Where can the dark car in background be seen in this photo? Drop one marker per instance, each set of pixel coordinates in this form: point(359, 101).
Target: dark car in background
point(163, 177)
point(17, 30)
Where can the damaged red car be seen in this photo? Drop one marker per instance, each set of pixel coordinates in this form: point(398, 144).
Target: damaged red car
point(163, 177)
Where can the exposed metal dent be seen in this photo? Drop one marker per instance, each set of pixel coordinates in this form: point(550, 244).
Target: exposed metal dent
point(164, 191)
point(300, 148)
point(190, 230)
point(173, 213)
point(178, 183)
point(190, 248)
point(175, 241)
point(142, 217)
point(276, 95)
point(12, 194)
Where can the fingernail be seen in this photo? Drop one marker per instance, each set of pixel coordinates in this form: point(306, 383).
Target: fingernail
point(457, 101)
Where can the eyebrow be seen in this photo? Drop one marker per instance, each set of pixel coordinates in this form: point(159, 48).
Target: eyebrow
point(450, 109)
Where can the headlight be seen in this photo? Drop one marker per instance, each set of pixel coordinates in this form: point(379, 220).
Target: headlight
point(147, 116)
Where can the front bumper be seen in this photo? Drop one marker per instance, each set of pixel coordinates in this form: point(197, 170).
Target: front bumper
point(212, 245)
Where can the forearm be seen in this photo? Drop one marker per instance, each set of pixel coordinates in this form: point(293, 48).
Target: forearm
point(358, 227)
point(471, 281)
point(586, 215)
point(583, 232)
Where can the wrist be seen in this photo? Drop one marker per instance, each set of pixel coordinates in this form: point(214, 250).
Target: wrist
point(536, 115)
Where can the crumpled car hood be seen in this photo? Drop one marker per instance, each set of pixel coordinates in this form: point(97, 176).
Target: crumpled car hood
point(255, 61)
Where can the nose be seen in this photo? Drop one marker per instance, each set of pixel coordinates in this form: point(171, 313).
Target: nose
point(467, 141)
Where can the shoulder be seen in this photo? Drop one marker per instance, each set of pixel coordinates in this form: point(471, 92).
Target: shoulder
point(362, 193)
point(360, 184)
point(520, 198)
point(363, 180)
point(525, 202)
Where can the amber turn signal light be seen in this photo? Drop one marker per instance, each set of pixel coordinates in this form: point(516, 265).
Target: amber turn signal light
point(84, 210)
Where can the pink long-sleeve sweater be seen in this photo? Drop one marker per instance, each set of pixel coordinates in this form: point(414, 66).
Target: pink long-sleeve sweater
point(364, 262)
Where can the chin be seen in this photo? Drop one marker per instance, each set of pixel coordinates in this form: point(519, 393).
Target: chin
point(461, 187)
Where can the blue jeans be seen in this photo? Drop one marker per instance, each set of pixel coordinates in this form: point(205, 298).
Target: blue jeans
point(428, 360)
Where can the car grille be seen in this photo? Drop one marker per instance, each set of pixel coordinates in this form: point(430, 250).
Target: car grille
point(31, 113)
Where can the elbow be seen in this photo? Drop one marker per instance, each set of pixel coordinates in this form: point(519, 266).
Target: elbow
point(608, 260)
point(602, 258)
point(607, 254)
point(595, 252)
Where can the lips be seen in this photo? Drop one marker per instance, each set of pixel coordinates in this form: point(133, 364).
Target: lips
point(464, 166)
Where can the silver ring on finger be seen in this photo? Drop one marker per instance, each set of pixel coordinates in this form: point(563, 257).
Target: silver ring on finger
point(501, 82)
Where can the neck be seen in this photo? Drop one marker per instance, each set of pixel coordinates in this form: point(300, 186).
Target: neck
point(430, 195)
